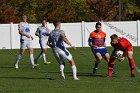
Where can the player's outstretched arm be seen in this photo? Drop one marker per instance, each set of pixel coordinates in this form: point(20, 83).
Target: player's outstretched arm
point(68, 42)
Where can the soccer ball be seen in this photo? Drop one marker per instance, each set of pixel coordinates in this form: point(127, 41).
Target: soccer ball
point(119, 53)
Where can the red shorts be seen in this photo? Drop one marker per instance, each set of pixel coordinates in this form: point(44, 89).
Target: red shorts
point(129, 48)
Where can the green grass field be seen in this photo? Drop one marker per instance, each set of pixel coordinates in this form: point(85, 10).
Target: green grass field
point(47, 78)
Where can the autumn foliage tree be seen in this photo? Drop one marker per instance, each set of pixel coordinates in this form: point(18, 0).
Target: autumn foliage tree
point(56, 9)
point(7, 13)
point(102, 9)
point(68, 10)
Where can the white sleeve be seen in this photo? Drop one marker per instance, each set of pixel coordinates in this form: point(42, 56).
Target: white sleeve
point(62, 33)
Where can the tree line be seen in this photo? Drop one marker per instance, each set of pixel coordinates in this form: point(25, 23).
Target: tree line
point(69, 10)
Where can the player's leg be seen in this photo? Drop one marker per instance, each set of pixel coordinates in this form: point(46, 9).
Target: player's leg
point(111, 64)
point(44, 56)
point(131, 62)
point(65, 54)
point(74, 69)
point(22, 50)
point(19, 57)
point(129, 54)
point(31, 51)
point(98, 58)
point(61, 63)
point(40, 55)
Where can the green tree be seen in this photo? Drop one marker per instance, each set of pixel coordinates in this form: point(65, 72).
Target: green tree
point(27, 7)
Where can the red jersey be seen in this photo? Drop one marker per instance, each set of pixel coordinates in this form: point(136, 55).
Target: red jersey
point(97, 38)
point(123, 44)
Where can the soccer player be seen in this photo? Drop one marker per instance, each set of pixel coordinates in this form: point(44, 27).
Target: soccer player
point(121, 44)
point(25, 41)
point(42, 32)
point(97, 43)
point(56, 42)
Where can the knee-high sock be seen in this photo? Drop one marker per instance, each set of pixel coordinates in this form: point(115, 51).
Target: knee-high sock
point(74, 70)
point(18, 58)
point(131, 64)
point(96, 65)
point(44, 57)
point(110, 67)
point(62, 70)
point(39, 56)
point(32, 59)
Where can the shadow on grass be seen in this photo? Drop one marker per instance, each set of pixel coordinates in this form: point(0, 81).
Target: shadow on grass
point(3, 66)
point(48, 78)
point(82, 74)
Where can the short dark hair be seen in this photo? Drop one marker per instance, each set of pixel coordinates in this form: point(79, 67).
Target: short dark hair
point(114, 36)
point(98, 24)
point(56, 22)
point(24, 15)
point(42, 20)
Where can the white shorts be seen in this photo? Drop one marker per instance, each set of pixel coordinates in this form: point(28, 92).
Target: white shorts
point(61, 55)
point(26, 43)
point(43, 44)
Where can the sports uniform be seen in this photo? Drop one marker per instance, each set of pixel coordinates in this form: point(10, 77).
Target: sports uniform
point(60, 52)
point(25, 41)
point(58, 47)
point(98, 40)
point(124, 45)
point(43, 33)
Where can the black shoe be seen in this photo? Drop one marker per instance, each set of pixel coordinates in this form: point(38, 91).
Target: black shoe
point(113, 72)
point(95, 71)
point(132, 75)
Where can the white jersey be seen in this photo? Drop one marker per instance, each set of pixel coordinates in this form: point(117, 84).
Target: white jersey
point(24, 26)
point(56, 38)
point(43, 32)
point(58, 47)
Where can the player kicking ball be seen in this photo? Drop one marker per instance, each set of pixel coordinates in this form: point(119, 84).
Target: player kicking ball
point(43, 33)
point(124, 45)
point(56, 42)
point(25, 41)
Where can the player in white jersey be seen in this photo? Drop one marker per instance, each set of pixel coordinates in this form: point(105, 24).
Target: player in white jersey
point(56, 42)
point(42, 32)
point(25, 41)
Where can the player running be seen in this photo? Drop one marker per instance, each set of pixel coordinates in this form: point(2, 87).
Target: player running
point(42, 32)
point(121, 44)
point(56, 42)
point(25, 41)
point(98, 46)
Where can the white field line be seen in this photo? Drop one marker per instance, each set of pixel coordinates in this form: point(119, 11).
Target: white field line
point(137, 69)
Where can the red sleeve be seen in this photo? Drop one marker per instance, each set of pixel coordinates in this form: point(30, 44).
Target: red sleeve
point(124, 43)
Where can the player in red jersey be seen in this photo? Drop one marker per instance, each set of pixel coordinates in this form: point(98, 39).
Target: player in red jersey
point(97, 43)
point(121, 44)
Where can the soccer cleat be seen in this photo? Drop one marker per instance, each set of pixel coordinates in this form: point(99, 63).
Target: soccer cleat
point(16, 66)
point(63, 77)
point(47, 63)
point(113, 72)
point(76, 78)
point(34, 66)
point(95, 71)
point(132, 75)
